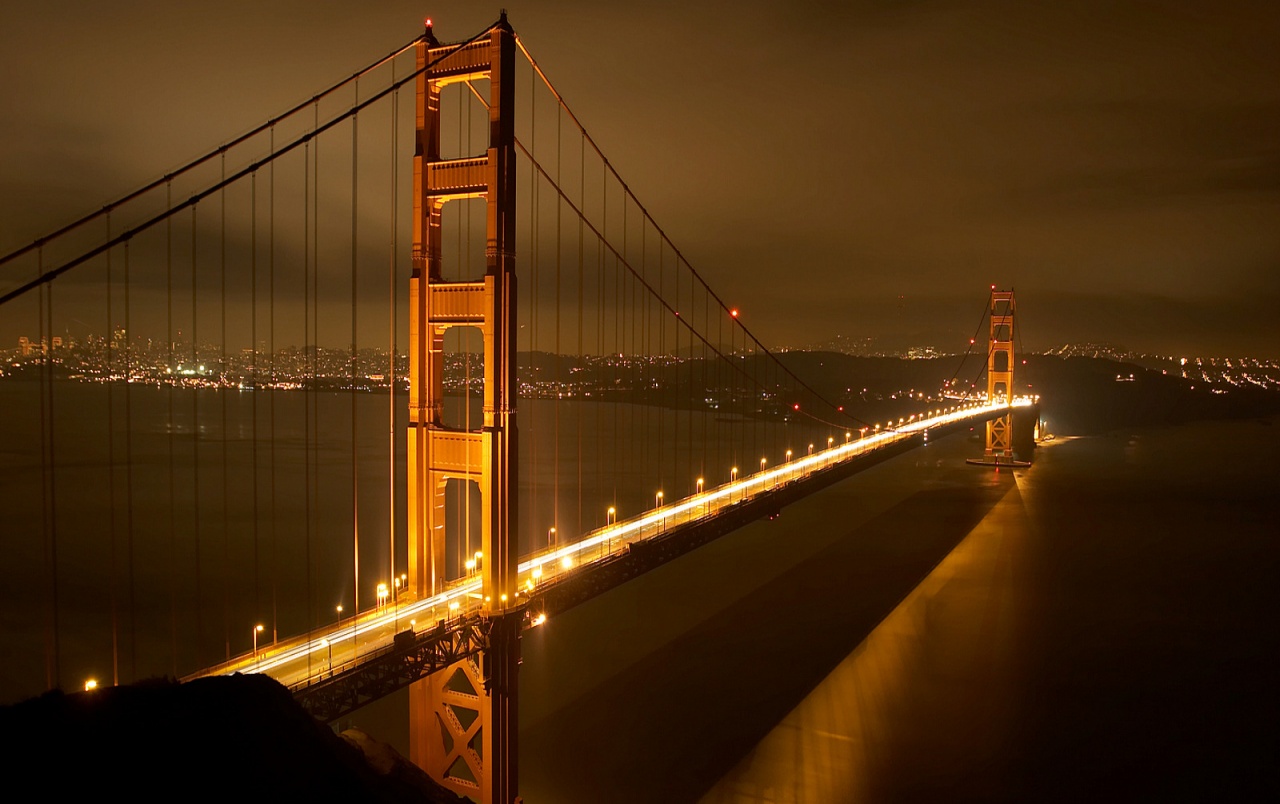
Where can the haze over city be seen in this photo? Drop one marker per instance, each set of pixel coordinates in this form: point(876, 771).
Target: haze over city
point(862, 169)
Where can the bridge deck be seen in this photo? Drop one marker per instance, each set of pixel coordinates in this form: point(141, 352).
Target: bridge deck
point(328, 653)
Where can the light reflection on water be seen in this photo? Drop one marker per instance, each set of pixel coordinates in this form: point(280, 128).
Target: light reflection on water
point(952, 627)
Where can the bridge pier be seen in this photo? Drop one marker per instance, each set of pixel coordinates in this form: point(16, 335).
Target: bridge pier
point(464, 719)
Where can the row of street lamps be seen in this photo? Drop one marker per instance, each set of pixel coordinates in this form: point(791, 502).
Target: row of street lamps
point(385, 592)
point(611, 517)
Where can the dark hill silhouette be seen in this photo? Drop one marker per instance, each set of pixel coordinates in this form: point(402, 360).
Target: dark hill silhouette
point(222, 738)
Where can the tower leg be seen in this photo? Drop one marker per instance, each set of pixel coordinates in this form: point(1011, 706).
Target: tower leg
point(463, 720)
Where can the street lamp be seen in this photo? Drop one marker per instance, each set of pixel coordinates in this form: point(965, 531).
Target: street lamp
point(91, 684)
point(339, 620)
point(657, 500)
point(611, 516)
point(551, 537)
point(733, 477)
point(810, 449)
point(257, 629)
point(382, 594)
point(704, 502)
point(328, 645)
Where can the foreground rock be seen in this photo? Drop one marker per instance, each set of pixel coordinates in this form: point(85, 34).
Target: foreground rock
point(214, 738)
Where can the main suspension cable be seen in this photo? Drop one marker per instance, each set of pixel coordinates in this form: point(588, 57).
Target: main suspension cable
point(220, 151)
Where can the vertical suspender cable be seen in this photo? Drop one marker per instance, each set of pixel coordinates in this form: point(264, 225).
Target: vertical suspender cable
point(620, 345)
point(646, 332)
point(582, 199)
point(555, 519)
point(466, 102)
point(315, 342)
point(628, 367)
point(53, 488)
point(128, 440)
point(223, 392)
point(253, 384)
point(171, 379)
point(661, 376)
point(111, 473)
point(274, 390)
point(195, 457)
point(355, 477)
point(534, 236)
point(310, 381)
point(391, 339)
point(49, 551)
point(706, 389)
point(600, 352)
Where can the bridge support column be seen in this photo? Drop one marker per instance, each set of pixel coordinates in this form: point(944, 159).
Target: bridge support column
point(1000, 375)
point(463, 720)
point(999, 449)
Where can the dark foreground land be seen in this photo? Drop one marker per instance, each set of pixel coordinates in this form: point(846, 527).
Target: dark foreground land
point(214, 739)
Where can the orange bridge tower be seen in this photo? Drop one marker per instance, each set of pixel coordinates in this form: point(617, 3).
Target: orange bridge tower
point(463, 718)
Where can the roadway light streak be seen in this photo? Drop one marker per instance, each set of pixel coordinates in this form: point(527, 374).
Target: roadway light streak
point(458, 600)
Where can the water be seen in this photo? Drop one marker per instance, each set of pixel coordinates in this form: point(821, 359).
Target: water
point(218, 512)
point(1095, 627)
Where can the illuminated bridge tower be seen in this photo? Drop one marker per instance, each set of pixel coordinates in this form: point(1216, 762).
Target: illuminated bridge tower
point(462, 719)
point(1000, 377)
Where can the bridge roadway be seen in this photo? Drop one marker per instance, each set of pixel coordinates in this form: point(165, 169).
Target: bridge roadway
point(326, 653)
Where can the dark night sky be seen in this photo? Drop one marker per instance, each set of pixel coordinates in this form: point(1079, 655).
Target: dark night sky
point(1118, 163)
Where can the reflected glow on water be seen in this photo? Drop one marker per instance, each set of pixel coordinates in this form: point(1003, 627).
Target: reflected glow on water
point(873, 712)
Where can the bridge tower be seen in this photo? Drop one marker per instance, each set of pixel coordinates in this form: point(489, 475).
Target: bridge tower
point(463, 719)
point(1000, 377)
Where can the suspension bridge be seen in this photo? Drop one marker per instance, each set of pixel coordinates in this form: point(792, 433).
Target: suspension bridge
point(277, 395)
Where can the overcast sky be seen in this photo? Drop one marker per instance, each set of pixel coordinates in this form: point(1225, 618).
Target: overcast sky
point(865, 168)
